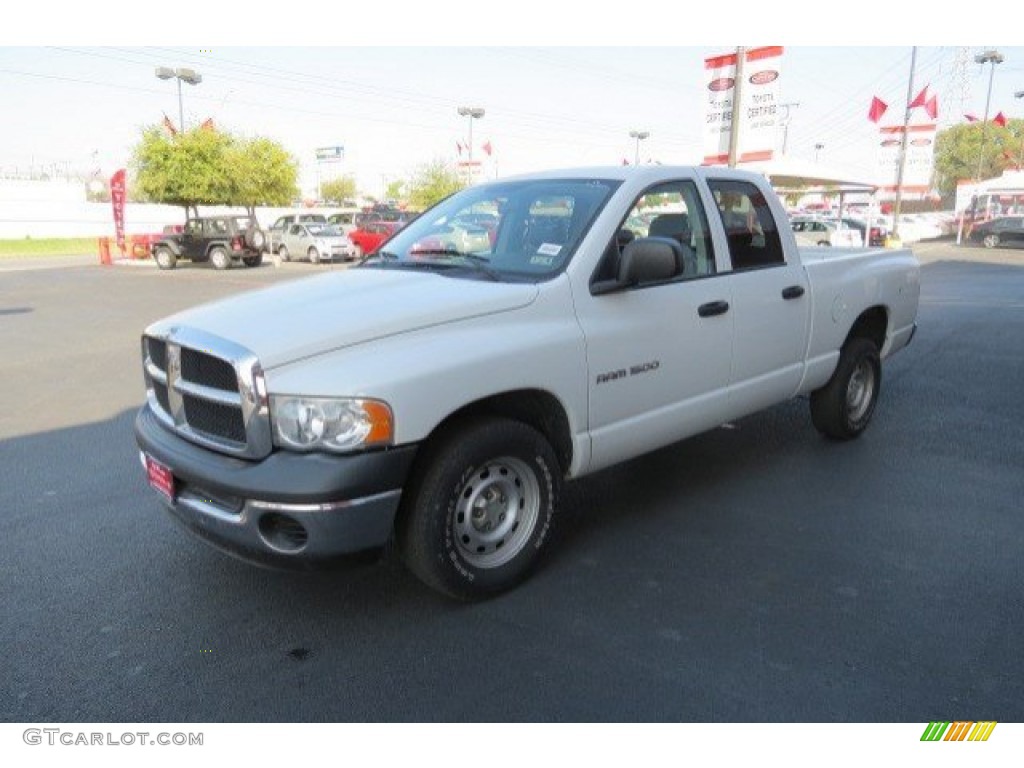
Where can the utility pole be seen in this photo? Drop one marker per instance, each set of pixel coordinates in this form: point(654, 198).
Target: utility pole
point(903, 148)
point(785, 123)
point(737, 98)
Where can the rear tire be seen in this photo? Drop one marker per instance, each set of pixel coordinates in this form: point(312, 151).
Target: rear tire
point(480, 508)
point(219, 258)
point(843, 407)
point(253, 261)
point(165, 258)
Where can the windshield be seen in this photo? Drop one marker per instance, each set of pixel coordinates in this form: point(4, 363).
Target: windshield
point(324, 230)
point(517, 230)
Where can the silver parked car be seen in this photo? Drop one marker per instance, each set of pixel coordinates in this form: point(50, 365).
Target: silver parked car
point(316, 242)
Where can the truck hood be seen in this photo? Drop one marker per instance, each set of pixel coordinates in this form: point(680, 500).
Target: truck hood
point(309, 317)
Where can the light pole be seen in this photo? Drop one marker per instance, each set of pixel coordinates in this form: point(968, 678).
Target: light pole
point(639, 136)
point(992, 57)
point(189, 76)
point(817, 148)
point(471, 113)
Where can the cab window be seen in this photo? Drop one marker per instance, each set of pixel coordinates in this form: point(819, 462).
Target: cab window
point(671, 210)
point(750, 227)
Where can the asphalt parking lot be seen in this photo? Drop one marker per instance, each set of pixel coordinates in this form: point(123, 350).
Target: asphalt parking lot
point(754, 573)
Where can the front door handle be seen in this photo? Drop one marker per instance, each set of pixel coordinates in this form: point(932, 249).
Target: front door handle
point(793, 292)
point(713, 308)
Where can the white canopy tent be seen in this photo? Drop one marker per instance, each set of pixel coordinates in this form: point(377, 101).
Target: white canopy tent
point(791, 173)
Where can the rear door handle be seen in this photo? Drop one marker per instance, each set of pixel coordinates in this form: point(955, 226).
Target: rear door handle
point(793, 292)
point(713, 308)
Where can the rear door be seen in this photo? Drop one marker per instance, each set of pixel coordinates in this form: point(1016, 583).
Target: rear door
point(770, 301)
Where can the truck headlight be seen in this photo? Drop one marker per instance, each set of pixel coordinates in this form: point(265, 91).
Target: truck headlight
point(330, 424)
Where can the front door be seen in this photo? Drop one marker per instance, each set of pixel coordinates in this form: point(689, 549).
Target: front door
point(658, 356)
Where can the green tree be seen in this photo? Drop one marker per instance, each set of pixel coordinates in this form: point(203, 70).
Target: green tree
point(261, 173)
point(433, 182)
point(339, 191)
point(211, 167)
point(186, 169)
point(395, 190)
point(958, 151)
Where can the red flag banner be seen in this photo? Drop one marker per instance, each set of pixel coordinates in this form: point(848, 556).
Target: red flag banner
point(1000, 120)
point(117, 197)
point(878, 108)
point(971, 118)
point(170, 126)
point(920, 99)
point(932, 107)
point(207, 124)
point(488, 148)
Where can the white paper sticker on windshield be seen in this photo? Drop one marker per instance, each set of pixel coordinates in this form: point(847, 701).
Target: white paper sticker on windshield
point(550, 249)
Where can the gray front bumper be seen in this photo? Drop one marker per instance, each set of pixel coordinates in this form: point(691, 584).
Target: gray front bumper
point(289, 510)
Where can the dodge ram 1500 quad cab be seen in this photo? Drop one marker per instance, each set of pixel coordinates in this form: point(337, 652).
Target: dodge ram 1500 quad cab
point(438, 398)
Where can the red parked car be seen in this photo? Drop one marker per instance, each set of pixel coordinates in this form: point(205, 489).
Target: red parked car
point(368, 237)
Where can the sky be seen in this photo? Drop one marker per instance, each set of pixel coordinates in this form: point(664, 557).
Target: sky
point(76, 96)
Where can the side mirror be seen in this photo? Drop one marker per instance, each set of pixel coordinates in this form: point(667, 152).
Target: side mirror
point(644, 261)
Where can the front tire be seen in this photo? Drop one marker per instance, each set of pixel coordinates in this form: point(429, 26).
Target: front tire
point(480, 509)
point(990, 241)
point(314, 256)
point(219, 258)
point(165, 258)
point(283, 253)
point(844, 406)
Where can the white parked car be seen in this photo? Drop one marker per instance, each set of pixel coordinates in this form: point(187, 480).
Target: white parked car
point(316, 242)
point(828, 232)
point(438, 401)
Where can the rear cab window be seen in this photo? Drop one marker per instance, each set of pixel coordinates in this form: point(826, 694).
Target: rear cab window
point(750, 226)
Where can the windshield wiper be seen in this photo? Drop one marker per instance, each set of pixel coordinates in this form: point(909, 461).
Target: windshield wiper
point(478, 262)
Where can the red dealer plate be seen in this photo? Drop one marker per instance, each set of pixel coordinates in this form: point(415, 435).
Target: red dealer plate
point(160, 477)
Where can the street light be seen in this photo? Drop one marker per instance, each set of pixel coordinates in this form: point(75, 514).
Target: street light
point(992, 57)
point(472, 113)
point(182, 74)
point(639, 136)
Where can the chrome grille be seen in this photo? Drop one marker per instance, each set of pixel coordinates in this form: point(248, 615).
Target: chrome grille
point(208, 390)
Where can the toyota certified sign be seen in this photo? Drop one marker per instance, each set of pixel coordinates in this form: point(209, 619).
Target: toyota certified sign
point(756, 113)
point(763, 77)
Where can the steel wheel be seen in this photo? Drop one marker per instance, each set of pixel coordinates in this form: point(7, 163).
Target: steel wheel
point(860, 391)
point(496, 512)
point(991, 241)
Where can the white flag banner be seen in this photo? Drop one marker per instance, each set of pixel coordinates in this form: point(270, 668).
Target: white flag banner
point(759, 105)
point(917, 172)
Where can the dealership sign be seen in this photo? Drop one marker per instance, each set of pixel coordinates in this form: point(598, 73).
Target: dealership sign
point(326, 154)
point(917, 171)
point(759, 105)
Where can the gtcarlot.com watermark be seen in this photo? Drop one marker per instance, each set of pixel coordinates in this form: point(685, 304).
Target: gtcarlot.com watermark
point(55, 736)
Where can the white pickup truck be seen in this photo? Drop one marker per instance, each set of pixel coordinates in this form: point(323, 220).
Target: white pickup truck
point(437, 399)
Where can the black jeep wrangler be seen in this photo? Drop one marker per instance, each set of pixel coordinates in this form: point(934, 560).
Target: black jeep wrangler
point(221, 240)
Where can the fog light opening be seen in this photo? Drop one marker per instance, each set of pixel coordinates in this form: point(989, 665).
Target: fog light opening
point(283, 533)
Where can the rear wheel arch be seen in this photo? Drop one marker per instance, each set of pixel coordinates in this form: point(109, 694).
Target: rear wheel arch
point(873, 325)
